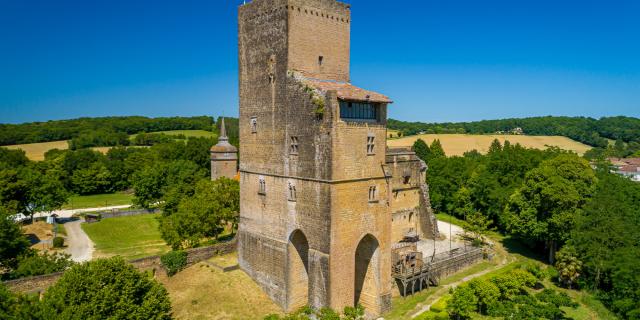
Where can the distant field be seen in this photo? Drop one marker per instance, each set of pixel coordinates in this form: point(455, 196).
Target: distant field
point(458, 144)
point(130, 237)
point(36, 151)
point(98, 200)
point(186, 133)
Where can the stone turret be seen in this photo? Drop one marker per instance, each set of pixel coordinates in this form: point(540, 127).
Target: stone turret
point(224, 157)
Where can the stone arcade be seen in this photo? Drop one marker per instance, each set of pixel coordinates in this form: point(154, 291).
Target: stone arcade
point(322, 199)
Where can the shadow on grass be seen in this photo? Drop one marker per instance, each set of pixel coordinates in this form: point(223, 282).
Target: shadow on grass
point(518, 247)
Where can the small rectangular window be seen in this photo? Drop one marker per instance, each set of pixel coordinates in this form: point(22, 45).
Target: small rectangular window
point(371, 145)
point(293, 149)
point(254, 124)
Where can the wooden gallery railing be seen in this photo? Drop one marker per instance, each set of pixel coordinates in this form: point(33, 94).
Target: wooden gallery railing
point(429, 272)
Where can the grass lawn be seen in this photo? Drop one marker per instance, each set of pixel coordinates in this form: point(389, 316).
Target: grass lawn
point(458, 144)
point(130, 237)
point(204, 292)
point(98, 200)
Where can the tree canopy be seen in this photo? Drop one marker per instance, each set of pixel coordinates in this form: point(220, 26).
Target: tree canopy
point(106, 289)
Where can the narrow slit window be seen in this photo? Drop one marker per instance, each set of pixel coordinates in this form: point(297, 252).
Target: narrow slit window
point(293, 149)
point(262, 186)
point(254, 124)
point(320, 59)
point(293, 193)
point(373, 194)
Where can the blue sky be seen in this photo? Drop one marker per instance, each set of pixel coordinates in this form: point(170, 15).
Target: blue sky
point(438, 60)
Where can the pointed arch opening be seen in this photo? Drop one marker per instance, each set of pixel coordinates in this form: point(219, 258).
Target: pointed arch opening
point(367, 273)
point(298, 271)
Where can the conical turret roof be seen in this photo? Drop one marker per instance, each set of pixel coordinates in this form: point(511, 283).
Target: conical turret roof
point(223, 144)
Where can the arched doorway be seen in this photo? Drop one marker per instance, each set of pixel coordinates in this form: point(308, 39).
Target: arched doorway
point(298, 271)
point(367, 273)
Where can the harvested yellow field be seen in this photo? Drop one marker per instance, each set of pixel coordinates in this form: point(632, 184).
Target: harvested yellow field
point(36, 151)
point(205, 292)
point(458, 144)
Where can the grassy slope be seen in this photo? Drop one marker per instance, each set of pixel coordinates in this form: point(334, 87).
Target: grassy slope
point(457, 144)
point(130, 237)
point(98, 200)
point(36, 151)
point(205, 292)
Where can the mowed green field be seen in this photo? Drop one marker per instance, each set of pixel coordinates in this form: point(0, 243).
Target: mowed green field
point(130, 237)
point(458, 144)
point(36, 151)
point(98, 200)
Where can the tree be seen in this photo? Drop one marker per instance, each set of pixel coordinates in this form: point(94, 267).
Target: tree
point(568, 266)
point(45, 193)
point(106, 289)
point(422, 150)
point(463, 302)
point(477, 225)
point(213, 205)
point(13, 242)
point(544, 208)
point(436, 149)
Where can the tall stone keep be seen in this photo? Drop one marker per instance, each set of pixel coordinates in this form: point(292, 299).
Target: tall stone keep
point(315, 219)
point(224, 157)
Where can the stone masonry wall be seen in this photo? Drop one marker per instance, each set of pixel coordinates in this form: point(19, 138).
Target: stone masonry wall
point(41, 283)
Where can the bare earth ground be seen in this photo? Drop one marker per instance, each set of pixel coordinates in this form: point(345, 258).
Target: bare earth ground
point(458, 144)
point(40, 234)
point(205, 292)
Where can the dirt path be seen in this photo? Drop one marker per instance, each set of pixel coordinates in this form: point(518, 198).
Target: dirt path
point(69, 213)
point(80, 247)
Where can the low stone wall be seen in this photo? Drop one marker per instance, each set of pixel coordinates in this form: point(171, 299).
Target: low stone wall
point(35, 284)
point(39, 284)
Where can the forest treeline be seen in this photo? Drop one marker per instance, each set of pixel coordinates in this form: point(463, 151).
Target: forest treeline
point(593, 132)
point(584, 220)
point(105, 131)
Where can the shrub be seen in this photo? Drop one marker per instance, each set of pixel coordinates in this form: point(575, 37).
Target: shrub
point(34, 264)
point(58, 242)
point(174, 261)
point(463, 302)
point(559, 299)
point(440, 305)
point(536, 270)
point(486, 291)
point(106, 289)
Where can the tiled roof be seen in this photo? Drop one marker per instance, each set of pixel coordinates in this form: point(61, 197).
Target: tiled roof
point(347, 91)
point(631, 168)
point(624, 161)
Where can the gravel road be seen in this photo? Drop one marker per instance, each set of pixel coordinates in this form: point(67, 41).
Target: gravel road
point(79, 246)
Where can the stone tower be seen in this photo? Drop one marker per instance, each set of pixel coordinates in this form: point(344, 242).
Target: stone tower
point(315, 221)
point(224, 157)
